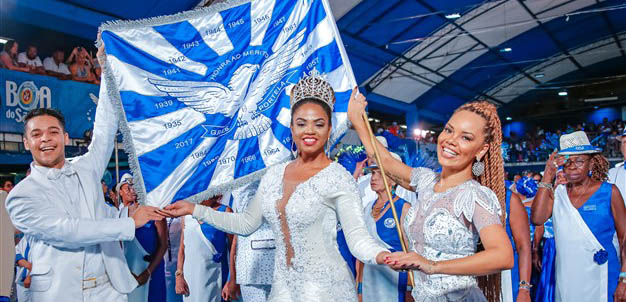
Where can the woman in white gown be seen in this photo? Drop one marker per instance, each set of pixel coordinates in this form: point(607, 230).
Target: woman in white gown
point(303, 200)
point(455, 209)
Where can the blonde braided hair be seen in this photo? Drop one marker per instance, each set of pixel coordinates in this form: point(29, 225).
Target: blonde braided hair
point(493, 178)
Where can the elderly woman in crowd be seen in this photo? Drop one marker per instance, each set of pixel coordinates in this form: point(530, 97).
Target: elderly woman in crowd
point(377, 282)
point(587, 213)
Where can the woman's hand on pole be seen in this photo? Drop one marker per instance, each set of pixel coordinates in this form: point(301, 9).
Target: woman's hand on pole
point(356, 107)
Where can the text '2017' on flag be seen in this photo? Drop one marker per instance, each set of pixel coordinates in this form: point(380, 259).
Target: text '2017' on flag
point(204, 95)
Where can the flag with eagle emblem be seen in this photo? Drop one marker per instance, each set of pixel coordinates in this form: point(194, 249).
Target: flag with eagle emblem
point(204, 95)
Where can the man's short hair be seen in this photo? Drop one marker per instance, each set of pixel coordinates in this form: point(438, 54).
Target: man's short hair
point(44, 111)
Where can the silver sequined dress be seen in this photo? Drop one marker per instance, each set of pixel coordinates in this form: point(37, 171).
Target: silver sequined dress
point(317, 271)
point(444, 226)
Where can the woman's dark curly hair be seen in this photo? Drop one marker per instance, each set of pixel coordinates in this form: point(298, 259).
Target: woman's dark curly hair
point(599, 167)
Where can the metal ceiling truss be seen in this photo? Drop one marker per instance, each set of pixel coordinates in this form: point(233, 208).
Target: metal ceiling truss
point(489, 49)
point(557, 58)
point(556, 42)
point(609, 24)
point(406, 59)
point(377, 80)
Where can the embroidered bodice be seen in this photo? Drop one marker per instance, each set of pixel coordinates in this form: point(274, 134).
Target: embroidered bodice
point(315, 270)
point(444, 226)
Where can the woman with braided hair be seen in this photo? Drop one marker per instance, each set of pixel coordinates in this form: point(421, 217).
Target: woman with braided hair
point(455, 209)
point(587, 214)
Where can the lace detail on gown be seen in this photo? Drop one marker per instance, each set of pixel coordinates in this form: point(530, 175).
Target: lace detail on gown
point(444, 226)
point(317, 272)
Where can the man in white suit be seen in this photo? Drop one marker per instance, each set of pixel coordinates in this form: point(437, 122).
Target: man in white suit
point(61, 206)
point(617, 175)
point(254, 253)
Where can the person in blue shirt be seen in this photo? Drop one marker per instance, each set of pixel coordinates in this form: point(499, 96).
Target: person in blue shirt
point(144, 253)
point(516, 282)
point(377, 282)
point(202, 269)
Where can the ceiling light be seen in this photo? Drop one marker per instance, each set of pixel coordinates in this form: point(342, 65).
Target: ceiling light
point(453, 16)
point(596, 107)
point(506, 49)
point(417, 132)
point(370, 119)
point(508, 118)
point(403, 126)
point(539, 75)
point(562, 93)
point(602, 99)
point(3, 40)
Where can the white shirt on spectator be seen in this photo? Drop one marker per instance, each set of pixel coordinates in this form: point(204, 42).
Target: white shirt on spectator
point(23, 58)
point(50, 65)
point(617, 176)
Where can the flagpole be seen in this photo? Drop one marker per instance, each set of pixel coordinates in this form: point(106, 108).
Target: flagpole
point(388, 191)
point(117, 170)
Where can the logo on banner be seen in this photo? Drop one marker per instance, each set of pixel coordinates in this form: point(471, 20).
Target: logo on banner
point(252, 89)
point(25, 97)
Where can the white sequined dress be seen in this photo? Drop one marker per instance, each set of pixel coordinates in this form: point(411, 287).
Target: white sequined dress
point(444, 226)
point(317, 271)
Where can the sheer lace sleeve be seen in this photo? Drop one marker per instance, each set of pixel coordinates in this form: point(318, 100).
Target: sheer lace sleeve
point(243, 223)
point(421, 178)
point(486, 213)
point(345, 200)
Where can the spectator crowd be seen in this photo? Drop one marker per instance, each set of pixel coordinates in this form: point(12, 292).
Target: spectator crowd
point(536, 145)
point(78, 66)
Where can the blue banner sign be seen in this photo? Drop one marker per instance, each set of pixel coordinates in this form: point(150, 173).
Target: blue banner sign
point(20, 92)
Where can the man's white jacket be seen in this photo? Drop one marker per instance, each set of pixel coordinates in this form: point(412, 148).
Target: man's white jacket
point(617, 176)
point(60, 232)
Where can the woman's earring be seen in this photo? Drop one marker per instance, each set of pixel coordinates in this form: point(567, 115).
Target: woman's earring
point(478, 168)
point(590, 173)
point(327, 149)
point(294, 152)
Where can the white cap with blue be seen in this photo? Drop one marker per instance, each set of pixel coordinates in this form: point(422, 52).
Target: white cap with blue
point(375, 166)
point(576, 143)
point(126, 179)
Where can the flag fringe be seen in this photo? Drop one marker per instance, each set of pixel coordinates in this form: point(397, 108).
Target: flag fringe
point(114, 95)
point(167, 19)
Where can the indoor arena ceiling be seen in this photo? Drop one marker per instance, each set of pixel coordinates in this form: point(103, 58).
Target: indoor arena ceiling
point(425, 54)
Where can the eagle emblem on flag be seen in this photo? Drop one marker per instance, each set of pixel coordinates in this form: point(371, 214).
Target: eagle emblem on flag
point(203, 95)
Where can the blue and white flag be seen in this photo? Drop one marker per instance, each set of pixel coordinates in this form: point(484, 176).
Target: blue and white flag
point(204, 94)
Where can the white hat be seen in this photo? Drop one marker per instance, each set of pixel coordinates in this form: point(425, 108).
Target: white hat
point(576, 143)
point(375, 166)
point(383, 141)
point(126, 179)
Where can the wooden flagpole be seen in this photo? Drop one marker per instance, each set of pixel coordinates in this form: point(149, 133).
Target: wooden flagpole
point(387, 189)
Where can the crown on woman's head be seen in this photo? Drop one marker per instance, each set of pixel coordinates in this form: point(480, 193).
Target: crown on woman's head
point(313, 86)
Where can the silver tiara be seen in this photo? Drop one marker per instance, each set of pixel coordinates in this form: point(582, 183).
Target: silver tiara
point(313, 86)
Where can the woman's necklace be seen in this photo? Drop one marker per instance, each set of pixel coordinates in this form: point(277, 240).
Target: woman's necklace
point(376, 210)
point(579, 196)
